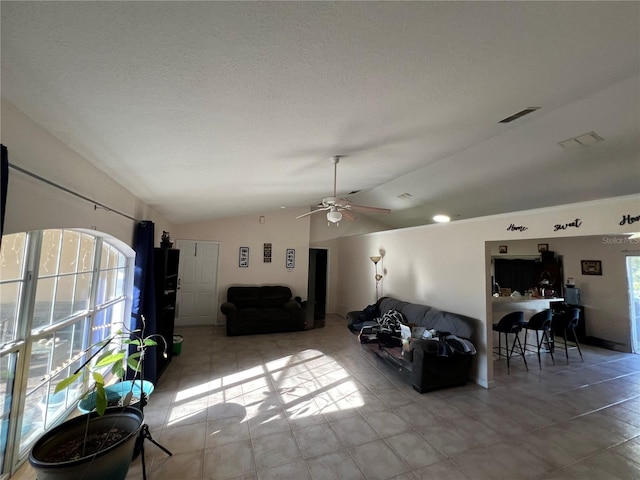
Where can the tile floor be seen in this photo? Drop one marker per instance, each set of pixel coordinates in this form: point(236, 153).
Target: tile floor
point(316, 405)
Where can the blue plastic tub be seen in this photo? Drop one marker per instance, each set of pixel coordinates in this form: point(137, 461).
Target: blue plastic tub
point(115, 392)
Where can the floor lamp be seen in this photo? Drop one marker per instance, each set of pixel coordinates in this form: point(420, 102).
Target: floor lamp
point(375, 261)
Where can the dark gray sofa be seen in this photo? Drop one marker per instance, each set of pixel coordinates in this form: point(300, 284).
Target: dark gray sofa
point(431, 364)
point(262, 309)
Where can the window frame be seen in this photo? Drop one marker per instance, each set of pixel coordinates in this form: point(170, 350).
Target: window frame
point(25, 336)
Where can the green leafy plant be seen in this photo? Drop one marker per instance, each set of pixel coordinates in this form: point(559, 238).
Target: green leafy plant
point(118, 361)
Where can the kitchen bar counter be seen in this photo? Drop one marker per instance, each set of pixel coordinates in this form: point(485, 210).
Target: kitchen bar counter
point(528, 305)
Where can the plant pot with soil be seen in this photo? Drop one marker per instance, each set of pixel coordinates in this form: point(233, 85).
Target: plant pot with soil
point(98, 445)
point(91, 446)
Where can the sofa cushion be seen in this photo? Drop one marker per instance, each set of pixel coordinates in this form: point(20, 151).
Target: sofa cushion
point(244, 297)
point(274, 314)
point(429, 317)
point(274, 296)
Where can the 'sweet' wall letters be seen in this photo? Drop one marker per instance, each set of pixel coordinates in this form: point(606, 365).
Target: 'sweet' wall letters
point(575, 224)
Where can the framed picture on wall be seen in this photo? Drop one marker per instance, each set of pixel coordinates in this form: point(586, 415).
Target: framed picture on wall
point(591, 267)
point(291, 258)
point(543, 247)
point(243, 261)
point(502, 249)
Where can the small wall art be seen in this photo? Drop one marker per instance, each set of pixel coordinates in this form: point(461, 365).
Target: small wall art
point(591, 267)
point(267, 253)
point(502, 249)
point(291, 258)
point(543, 247)
point(244, 257)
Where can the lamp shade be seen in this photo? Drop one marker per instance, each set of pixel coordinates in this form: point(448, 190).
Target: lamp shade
point(334, 216)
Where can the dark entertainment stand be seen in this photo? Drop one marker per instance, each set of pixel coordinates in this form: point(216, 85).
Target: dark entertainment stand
point(166, 262)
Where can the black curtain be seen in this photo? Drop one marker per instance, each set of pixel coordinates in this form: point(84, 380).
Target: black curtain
point(516, 274)
point(4, 184)
point(144, 297)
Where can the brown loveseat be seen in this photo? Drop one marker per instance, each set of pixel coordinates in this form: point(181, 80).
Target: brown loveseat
point(264, 309)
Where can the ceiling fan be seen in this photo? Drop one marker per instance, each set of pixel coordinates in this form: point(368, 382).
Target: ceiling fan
point(339, 208)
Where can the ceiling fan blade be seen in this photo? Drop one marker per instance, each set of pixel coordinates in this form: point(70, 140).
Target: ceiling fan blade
point(313, 211)
point(334, 204)
point(347, 215)
point(362, 208)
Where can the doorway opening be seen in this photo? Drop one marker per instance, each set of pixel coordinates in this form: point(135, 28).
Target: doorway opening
point(633, 279)
point(317, 287)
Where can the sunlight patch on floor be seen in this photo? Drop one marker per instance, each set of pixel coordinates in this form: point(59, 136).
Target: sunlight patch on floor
point(303, 384)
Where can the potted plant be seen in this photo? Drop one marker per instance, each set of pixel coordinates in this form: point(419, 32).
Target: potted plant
point(165, 240)
point(99, 444)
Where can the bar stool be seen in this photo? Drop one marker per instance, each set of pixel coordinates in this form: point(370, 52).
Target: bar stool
point(570, 321)
point(510, 323)
point(540, 322)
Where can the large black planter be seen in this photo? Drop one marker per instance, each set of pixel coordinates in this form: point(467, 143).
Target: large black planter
point(109, 464)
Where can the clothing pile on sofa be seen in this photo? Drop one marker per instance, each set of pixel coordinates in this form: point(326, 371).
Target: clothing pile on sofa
point(385, 329)
point(442, 361)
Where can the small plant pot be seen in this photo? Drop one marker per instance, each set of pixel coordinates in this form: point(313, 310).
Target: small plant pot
point(110, 463)
point(177, 344)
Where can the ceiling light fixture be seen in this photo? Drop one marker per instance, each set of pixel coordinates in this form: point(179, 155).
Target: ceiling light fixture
point(441, 218)
point(334, 215)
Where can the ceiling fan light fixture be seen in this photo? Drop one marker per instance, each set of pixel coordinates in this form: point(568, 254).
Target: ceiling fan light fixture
point(334, 215)
point(441, 218)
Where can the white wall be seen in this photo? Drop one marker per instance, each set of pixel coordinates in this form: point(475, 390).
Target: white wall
point(280, 228)
point(35, 205)
point(448, 265)
point(605, 298)
point(325, 236)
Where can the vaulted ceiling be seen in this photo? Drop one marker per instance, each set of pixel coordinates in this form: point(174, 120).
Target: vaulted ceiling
point(216, 109)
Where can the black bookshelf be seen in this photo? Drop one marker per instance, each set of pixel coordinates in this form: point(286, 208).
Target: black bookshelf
point(166, 281)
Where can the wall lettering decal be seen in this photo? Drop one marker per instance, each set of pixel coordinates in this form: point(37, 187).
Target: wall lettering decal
point(514, 228)
point(575, 224)
point(629, 219)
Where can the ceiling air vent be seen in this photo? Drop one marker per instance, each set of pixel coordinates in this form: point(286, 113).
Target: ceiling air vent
point(583, 140)
point(521, 113)
point(405, 196)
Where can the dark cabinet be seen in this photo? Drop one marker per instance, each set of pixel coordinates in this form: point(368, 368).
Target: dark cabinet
point(166, 262)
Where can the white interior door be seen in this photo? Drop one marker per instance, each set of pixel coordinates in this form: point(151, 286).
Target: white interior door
point(197, 302)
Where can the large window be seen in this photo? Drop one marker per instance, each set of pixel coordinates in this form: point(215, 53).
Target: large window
point(60, 292)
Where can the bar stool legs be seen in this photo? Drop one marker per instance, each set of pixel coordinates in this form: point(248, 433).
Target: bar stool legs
point(540, 322)
point(575, 339)
point(570, 325)
point(517, 339)
point(510, 323)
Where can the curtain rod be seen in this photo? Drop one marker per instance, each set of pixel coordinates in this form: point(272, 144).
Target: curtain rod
point(65, 189)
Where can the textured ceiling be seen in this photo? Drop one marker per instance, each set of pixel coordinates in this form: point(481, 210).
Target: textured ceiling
point(213, 109)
